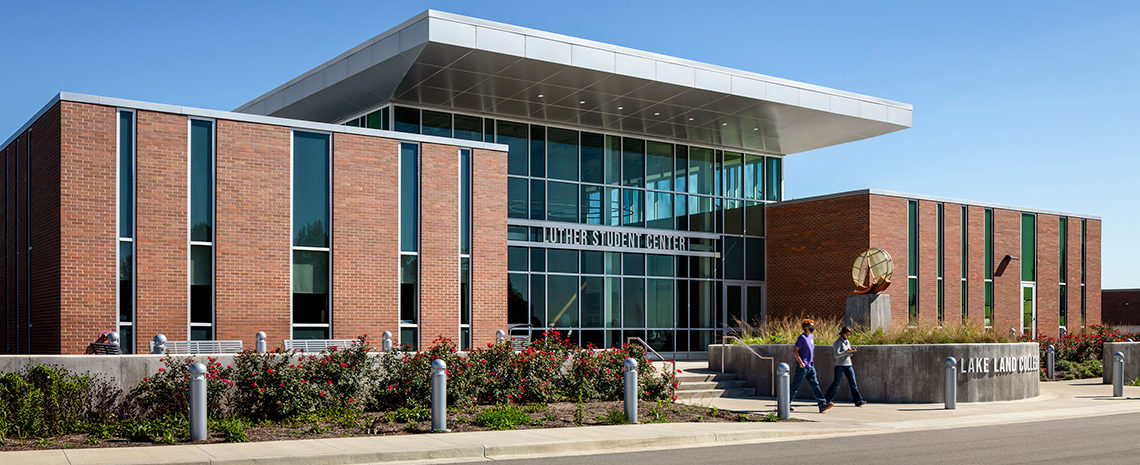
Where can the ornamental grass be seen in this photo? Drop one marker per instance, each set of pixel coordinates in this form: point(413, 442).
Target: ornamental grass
point(786, 330)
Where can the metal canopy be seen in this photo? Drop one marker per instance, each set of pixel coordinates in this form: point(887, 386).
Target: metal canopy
point(468, 65)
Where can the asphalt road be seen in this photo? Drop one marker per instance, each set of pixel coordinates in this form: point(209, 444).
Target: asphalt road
point(1106, 439)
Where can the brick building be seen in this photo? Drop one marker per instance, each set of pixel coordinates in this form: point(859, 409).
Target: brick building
point(452, 177)
point(997, 266)
point(1121, 307)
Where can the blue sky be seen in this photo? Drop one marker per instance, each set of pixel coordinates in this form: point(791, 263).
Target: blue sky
point(1035, 104)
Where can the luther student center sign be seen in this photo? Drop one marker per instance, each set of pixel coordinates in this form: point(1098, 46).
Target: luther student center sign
point(453, 176)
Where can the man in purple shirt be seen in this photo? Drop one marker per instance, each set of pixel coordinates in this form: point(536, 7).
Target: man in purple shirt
point(805, 353)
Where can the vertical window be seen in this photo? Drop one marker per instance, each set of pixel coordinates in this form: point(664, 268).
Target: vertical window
point(201, 298)
point(941, 262)
point(409, 244)
point(593, 158)
point(659, 165)
point(733, 174)
point(126, 168)
point(702, 170)
point(465, 249)
point(1063, 250)
point(989, 276)
point(753, 177)
point(965, 260)
point(633, 162)
point(912, 261)
point(562, 153)
point(311, 244)
point(1084, 230)
point(1028, 247)
point(775, 179)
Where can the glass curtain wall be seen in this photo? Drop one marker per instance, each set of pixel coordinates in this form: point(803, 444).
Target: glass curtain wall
point(574, 176)
point(311, 242)
point(126, 220)
point(201, 298)
point(409, 244)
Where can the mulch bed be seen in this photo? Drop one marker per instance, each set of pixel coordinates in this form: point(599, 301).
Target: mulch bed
point(554, 415)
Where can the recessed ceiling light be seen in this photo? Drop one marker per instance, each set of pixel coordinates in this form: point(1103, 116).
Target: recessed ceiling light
point(581, 102)
point(755, 129)
point(621, 108)
point(541, 96)
point(724, 124)
point(690, 118)
point(656, 113)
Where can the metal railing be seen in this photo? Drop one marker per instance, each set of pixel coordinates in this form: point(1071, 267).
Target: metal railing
point(672, 389)
point(771, 360)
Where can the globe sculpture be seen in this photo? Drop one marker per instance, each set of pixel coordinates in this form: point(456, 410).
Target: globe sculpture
point(872, 271)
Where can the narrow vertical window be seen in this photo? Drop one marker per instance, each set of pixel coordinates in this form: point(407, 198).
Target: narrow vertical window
point(774, 185)
point(965, 260)
point(126, 220)
point(311, 242)
point(989, 276)
point(1063, 250)
point(912, 261)
point(201, 298)
point(1028, 247)
point(941, 263)
point(409, 244)
point(1084, 230)
point(465, 249)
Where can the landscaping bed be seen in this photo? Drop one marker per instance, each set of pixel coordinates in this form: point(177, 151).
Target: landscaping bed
point(418, 421)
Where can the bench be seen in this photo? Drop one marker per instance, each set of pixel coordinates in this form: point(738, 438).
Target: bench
point(317, 345)
point(101, 348)
point(201, 347)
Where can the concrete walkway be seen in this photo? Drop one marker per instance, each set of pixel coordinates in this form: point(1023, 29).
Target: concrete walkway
point(1057, 400)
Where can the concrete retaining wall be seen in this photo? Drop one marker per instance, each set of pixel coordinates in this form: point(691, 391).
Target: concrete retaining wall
point(122, 371)
point(901, 373)
point(1131, 351)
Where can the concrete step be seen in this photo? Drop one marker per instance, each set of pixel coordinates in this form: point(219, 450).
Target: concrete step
point(712, 393)
point(691, 377)
point(704, 385)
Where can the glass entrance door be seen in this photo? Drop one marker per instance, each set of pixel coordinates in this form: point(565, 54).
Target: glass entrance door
point(1029, 309)
point(743, 304)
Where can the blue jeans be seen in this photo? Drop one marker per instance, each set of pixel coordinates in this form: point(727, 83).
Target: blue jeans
point(849, 372)
point(813, 382)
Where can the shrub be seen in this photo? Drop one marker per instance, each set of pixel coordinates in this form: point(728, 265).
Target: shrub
point(502, 417)
point(43, 401)
point(167, 392)
point(787, 330)
point(273, 387)
point(232, 429)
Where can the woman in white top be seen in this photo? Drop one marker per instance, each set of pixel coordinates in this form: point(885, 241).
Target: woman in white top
point(843, 352)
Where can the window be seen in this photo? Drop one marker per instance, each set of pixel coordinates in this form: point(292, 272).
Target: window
point(1063, 250)
point(633, 162)
point(702, 170)
point(1028, 247)
point(965, 260)
point(941, 262)
point(201, 297)
point(753, 177)
point(912, 261)
point(126, 215)
point(659, 165)
point(311, 242)
point(409, 244)
point(407, 120)
point(465, 249)
point(593, 158)
point(989, 274)
point(562, 154)
point(436, 123)
point(1084, 230)
point(775, 179)
point(733, 174)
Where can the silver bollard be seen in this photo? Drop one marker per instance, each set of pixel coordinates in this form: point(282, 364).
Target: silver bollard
point(159, 344)
point(1118, 374)
point(951, 383)
point(261, 344)
point(1012, 333)
point(113, 338)
point(783, 391)
point(1063, 333)
point(438, 395)
point(1049, 361)
point(630, 370)
point(387, 340)
point(500, 336)
point(197, 402)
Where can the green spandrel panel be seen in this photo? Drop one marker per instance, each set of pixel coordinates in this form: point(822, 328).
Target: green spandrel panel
point(989, 241)
point(310, 189)
point(126, 174)
point(201, 180)
point(1028, 247)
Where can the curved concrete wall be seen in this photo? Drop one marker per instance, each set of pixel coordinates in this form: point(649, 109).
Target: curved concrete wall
point(902, 373)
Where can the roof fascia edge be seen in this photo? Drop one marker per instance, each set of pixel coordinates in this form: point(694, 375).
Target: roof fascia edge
point(33, 119)
point(932, 198)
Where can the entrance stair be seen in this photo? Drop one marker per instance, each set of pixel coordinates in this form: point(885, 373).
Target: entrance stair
point(702, 383)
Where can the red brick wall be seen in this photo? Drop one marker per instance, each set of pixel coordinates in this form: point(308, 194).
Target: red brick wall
point(1092, 270)
point(161, 228)
point(927, 262)
point(1120, 307)
point(952, 263)
point(21, 279)
point(88, 239)
point(253, 232)
point(976, 265)
point(439, 243)
point(811, 247)
point(1048, 275)
point(365, 237)
point(45, 221)
point(888, 231)
point(1074, 278)
point(7, 339)
point(1007, 286)
point(488, 245)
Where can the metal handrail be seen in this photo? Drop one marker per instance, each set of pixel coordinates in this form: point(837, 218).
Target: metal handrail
point(771, 360)
point(672, 389)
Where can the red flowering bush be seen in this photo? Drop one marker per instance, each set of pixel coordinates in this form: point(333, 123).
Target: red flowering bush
point(167, 392)
point(1081, 347)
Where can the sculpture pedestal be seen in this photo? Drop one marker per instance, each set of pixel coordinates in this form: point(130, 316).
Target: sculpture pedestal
point(868, 311)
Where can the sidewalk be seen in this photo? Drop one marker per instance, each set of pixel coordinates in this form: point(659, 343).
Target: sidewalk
point(1057, 400)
